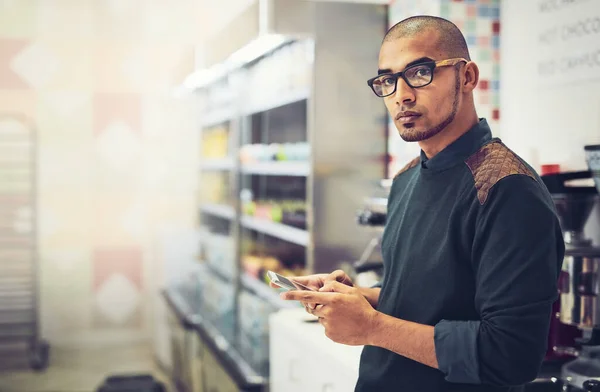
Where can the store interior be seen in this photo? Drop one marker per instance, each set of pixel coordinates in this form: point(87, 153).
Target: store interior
point(157, 159)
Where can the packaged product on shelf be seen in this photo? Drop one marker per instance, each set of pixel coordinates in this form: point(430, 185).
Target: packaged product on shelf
point(247, 202)
point(249, 208)
point(252, 265)
point(287, 212)
point(251, 153)
point(263, 211)
point(294, 218)
point(256, 265)
point(272, 152)
point(276, 213)
point(215, 142)
point(283, 152)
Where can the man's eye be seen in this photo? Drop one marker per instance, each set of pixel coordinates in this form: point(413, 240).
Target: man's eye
point(389, 81)
point(423, 72)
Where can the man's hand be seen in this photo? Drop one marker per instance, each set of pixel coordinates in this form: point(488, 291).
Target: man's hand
point(345, 313)
point(318, 281)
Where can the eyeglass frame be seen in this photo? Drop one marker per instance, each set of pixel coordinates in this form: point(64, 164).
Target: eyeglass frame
point(432, 65)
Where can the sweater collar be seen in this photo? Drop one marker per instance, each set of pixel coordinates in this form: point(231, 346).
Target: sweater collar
point(459, 150)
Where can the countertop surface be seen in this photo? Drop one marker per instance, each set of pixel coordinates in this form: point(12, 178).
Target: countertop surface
point(307, 329)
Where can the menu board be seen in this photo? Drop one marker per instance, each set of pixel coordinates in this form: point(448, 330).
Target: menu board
point(567, 41)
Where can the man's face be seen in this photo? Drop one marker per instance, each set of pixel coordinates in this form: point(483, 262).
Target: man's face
point(420, 113)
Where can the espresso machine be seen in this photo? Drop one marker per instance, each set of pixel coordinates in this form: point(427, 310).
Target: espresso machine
point(575, 325)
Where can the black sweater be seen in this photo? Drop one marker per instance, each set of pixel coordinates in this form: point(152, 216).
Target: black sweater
point(473, 247)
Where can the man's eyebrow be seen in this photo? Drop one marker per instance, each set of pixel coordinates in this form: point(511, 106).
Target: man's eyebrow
point(419, 61)
point(414, 62)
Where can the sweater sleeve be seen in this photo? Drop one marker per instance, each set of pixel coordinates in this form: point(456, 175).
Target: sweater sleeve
point(516, 255)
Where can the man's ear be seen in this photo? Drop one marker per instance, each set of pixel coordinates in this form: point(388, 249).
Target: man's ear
point(471, 77)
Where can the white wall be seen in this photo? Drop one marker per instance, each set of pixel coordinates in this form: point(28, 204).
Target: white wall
point(116, 153)
point(550, 95)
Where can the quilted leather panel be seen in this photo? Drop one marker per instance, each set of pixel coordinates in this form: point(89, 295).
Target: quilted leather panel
point(490, 164)
point(409, 166)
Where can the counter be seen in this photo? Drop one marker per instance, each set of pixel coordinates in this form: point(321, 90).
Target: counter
point(301, 347)
point(204, 359)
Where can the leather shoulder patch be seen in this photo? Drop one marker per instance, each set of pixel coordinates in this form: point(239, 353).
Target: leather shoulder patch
point(491, 163)
point(409, 166)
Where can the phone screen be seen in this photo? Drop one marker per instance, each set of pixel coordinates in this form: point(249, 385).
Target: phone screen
point(287, 283)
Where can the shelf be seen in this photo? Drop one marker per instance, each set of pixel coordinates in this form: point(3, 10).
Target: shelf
point(216, 117)
point(298, 169)
point(265, 292)
point(212, 270)
point(284, 232)
point(281, 100)
point(220, 210)
point(217, 164)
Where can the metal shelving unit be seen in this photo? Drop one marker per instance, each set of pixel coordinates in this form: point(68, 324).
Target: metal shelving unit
point(292, 169)
point(219, 210)
point(306, 142)
point(285, 99)
point(277, 230)
point(217, 164)
point(19, 288)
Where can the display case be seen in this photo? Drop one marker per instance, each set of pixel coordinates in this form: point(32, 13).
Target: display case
point(291, 141)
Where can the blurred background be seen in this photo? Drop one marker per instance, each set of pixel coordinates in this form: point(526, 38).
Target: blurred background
point(157, 158)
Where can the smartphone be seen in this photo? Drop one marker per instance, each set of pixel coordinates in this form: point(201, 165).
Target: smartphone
point(286, 283)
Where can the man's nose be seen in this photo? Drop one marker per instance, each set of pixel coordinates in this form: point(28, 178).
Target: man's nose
point(404, 93)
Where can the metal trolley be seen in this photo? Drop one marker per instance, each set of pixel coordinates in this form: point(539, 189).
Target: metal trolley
point(19, 288)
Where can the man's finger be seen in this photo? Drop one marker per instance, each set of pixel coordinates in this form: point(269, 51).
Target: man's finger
point(318, 311)
point(307, 296)
point(305, 280)
point(337, 276)
point(337, 287)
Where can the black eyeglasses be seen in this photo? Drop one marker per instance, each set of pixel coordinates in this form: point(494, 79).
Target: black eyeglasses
point(419, 75)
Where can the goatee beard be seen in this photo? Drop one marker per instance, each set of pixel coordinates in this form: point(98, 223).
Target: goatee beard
point(431, 132)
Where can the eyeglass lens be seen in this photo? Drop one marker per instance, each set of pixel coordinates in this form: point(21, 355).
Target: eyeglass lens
point(416, 76)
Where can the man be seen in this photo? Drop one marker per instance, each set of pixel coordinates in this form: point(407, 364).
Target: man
point(472, 247)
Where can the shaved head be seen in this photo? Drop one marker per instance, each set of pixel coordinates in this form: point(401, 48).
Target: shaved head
point(450, 40)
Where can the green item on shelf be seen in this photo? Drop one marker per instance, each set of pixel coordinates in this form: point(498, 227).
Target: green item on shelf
point(250, 208)
point(281, 155)
point(276, 213)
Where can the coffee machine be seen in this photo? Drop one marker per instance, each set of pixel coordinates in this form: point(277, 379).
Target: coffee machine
point(575, 327)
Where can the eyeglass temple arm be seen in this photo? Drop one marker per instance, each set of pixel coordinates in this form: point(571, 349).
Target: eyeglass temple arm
point(450, 62)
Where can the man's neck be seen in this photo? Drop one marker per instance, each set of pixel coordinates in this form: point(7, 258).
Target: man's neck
point(432, 146)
